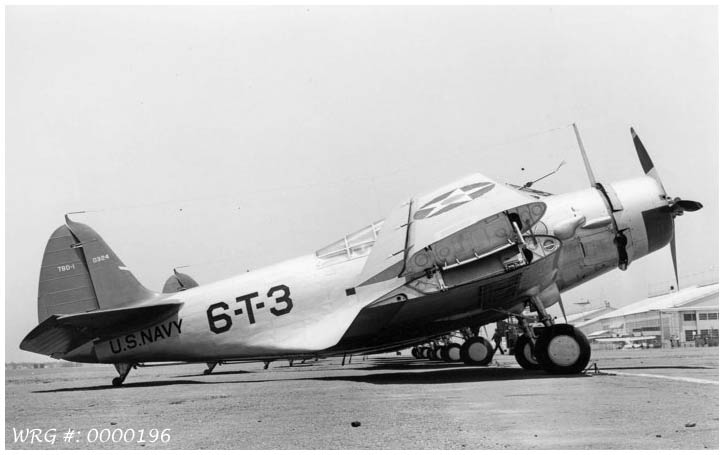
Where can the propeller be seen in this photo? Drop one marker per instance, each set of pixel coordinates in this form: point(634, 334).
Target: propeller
point(677, 206)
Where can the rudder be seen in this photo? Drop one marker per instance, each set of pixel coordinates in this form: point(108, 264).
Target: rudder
point(81, 273)
point(65, 283)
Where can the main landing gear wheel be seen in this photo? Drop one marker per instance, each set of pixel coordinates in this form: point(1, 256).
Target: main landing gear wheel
point(423, 352)
point(414, 353)
point(438, 353)
point(562, 349)
point(430, 354)
point(524, 354)
point(451, 352)
point(476, 351)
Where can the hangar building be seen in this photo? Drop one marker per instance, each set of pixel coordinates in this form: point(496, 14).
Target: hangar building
point(689, 317)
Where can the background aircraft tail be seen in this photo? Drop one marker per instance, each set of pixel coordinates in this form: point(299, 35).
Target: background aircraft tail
point(80, 273)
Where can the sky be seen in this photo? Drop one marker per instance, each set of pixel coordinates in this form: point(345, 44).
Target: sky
point(229, 138)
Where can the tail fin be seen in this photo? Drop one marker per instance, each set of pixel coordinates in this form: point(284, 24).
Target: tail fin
point(81, 273)
point(178, 282)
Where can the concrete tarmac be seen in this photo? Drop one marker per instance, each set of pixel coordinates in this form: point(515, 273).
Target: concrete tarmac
point(640, 399)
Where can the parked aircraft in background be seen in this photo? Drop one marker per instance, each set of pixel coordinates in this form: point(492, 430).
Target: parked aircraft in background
point(466, 254)
point(627, 342)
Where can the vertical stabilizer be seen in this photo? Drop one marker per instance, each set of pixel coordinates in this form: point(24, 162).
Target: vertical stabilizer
point(80, 273)
point(65, 282)
point(113, 283)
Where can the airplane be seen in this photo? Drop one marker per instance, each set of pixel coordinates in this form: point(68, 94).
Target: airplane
point(466, 254)
point(626, 342)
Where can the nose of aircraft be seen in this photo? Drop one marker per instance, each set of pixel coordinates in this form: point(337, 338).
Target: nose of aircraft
point(646, 214)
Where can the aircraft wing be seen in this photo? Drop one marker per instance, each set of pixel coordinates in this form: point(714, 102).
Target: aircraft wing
point(624, 339)
point(454, 223)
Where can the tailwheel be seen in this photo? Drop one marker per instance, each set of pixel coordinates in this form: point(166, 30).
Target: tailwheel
point(562, 349)
point(211, 366)
point(476, 351)
point(123, 369)
point(524, 354)
point(451, 352)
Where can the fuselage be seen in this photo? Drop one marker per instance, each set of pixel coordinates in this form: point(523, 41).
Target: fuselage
point(314, 305)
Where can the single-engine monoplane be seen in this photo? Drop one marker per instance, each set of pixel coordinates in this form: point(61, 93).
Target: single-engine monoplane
point(469, 253)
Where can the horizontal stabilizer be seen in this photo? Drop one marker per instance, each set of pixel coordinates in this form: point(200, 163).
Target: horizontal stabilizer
point(60, 334)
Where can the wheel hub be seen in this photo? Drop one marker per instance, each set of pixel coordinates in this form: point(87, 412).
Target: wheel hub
point(454, 354)
point(563, 350)
point(477, 352)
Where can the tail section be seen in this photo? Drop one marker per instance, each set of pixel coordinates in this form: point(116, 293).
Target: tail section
point(80, 273)
point(57, 335)
point(178, 282)
point(87, 292)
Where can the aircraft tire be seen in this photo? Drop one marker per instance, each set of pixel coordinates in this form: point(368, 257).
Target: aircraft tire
point(438, 353)
point(451, 352)
point(430, 354)
point(562, 349)
point(423, 352)
point(524, 354)
point(414, 353)
point(117, 382)
point(476, 351)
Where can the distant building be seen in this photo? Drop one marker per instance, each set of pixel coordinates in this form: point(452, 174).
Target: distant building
point(689, 317)
point(579, 318)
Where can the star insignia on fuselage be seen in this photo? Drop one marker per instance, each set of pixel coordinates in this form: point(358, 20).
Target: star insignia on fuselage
point(452, 199)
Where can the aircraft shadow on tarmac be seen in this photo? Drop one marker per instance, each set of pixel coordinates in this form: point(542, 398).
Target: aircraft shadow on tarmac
point(125, 386)
point(215, 373)
point(447, 376)
point(391, 371)
point(661, 367)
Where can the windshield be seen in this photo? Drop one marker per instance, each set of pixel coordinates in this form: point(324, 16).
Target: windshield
point(353, 245)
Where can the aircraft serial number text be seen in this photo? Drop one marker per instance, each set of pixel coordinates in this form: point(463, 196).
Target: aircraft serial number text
point(220, 321)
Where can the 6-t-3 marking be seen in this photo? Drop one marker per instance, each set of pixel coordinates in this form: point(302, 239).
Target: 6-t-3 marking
point(220, 321)
point(249, 312)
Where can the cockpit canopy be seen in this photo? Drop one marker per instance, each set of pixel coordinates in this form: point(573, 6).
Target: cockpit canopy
point(354, 245)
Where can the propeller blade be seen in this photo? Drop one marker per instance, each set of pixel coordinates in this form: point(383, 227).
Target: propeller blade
point(686, 206)
point(589, 170)
point(646, 164)
point(673, 255)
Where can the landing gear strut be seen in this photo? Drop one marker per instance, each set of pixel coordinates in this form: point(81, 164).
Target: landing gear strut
point(123, 369)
